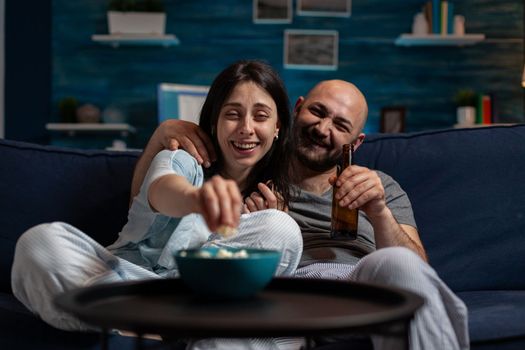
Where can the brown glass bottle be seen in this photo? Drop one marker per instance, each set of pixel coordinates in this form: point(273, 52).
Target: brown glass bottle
point(344, 220)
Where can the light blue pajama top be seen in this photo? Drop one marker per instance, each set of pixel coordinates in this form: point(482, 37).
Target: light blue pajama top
point(149, 238)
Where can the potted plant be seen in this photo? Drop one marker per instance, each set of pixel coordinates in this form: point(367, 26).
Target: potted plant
point(466, 107)
point(136, 17)
point(67, 108)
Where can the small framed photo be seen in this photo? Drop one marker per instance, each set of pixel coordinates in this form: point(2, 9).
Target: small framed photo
point(324, 8)
point(392, 120)
point(272, 11)
point(311, 49)
point(180, 101)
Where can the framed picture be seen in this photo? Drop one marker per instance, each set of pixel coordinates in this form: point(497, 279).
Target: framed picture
point(326, 8)
point(392, 120)
point(178, 101)
point(272, 11)
point(311, 49)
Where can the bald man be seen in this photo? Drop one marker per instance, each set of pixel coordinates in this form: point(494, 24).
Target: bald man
point(388, 249)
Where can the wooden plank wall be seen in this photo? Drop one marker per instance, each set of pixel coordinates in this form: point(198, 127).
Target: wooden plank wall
point(215, 33)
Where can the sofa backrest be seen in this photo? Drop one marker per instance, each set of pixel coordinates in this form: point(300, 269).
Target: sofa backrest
point(88, 189)
point(467, 188)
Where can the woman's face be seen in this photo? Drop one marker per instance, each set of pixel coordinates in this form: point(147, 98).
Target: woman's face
point(246, 128)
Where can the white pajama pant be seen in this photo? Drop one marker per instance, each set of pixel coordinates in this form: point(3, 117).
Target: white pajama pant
point(53, 258)
point(441, 323)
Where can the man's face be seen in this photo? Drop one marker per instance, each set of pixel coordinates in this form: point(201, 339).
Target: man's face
point(330, 116)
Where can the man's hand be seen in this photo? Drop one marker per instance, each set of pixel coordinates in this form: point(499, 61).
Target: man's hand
point(266, 198)
point(173, 134)
point(359, 187)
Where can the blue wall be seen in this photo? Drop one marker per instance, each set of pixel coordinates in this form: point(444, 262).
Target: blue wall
point(215, 33)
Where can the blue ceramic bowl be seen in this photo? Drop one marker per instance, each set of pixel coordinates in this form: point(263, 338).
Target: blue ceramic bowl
point(227, 278)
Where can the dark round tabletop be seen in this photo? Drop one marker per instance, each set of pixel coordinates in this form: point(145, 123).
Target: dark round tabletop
point(286, 307)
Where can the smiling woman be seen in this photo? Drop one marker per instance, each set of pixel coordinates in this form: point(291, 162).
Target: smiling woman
point(254, 96)
point(180, 205)
point(247, 127)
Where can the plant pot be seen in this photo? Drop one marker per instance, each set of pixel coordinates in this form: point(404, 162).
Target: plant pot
point(136, 22)
point(466, 115)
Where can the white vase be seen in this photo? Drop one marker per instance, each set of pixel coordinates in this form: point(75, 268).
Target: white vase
point(466, 115)
point(420, 25)
point(459, 25)
point(153, 23)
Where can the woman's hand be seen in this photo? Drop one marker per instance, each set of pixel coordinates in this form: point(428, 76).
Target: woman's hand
point(219, 201)
point(266, 198)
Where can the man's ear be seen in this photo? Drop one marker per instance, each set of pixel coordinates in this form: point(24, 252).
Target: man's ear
point(359, 140)
point(298, 105)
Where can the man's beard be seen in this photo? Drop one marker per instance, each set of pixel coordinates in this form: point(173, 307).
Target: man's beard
point(303, 144)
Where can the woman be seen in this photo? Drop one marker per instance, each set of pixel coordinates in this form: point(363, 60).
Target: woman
point(179, 205)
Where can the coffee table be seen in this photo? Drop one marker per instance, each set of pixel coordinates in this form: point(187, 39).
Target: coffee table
point(286, 307)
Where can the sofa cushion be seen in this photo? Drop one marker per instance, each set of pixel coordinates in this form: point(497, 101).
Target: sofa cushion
point(88, 189)
point(467, 192)
point(495, 315)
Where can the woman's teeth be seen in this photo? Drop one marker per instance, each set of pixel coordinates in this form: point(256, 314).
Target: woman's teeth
point(244, 145)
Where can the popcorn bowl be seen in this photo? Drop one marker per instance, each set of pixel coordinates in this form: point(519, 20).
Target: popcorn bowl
point(227, 273)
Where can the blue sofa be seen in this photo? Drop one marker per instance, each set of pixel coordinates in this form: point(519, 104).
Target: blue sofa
point(466, 186)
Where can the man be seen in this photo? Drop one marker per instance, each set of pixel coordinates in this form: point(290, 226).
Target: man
point(388, 249)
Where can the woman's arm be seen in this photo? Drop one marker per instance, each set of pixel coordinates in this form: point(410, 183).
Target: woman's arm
point(173, 134)
point(172, 195)
point(218, 200)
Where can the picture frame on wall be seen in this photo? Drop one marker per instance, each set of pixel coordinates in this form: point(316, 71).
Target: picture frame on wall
point(311, 49)
point(324, 8)
point(272, 11)
point(180, 101)
point(392, 120)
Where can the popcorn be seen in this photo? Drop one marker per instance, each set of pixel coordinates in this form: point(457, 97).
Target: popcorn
point(226, 231)
point(223, 254)
point(204, 254)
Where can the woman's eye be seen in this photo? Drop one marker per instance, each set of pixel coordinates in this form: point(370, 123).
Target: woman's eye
point(231, 114)
point(261, 116)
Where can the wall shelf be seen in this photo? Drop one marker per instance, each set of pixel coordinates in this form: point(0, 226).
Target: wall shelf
point(72, 128)
point(439, 40)
point(136, 40)
point(469, 126)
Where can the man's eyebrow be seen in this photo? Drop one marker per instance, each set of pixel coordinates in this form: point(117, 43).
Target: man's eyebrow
point(343, 120)
point(320, 106)
point(337, 118)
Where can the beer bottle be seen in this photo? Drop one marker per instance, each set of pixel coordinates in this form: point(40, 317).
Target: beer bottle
point(344, 220)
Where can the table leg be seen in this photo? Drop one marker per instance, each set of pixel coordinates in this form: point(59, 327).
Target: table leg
point(396, 336)
point(138, 342)
point(308, 343)
point(405, 335)
point(104, 339)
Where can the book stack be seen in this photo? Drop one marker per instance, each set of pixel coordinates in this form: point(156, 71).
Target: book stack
point(485, 109)
point(440, 16)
